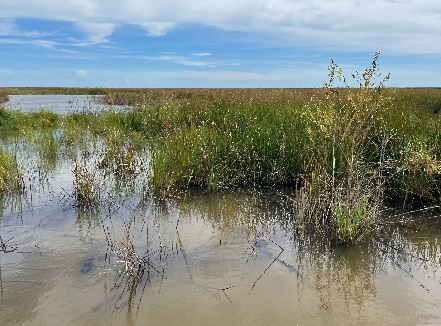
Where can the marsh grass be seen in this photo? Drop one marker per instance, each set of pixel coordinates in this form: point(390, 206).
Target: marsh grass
point(86, 185)
point(346, 151)
point(55, 91)
point(342, 210)
point(226, 138)
point(228, 143)
point(10, 177)
point(368, 147)
point(421, 175)
point(343, 186)
point(4, 96)
point(47, 146)
point(14, 122)
point(119, 155)
point(13, 191)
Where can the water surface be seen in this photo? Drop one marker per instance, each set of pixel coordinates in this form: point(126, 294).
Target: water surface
point(59, 103)
point(218, 259)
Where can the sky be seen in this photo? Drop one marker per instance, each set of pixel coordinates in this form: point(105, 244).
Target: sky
point(207, 43)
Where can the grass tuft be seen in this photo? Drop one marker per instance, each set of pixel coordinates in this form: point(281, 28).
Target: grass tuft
point(4, 97)
point(10, 178)
point(86, 186)
point(343, 185)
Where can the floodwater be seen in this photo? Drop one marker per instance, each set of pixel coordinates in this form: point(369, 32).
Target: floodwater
point(203, 259)
point(59, 103)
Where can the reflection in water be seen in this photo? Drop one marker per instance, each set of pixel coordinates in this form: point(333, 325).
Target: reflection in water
point(138, 253)
point(338, 280)
point(347, 273)
point(226, 258)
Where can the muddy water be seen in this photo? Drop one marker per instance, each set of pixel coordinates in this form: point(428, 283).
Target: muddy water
point(218, 259)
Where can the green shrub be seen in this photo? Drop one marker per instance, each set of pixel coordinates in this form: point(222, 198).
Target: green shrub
point(343, 183)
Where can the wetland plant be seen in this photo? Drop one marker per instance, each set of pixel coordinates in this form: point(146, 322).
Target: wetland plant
point(13, 122)
point(86, 185)
point(227, 143)
point(341, 210)
point(421, 175)
point(47, 145)
point(119, 156)
point(10, 178)
point(138, 260)
point(346, 151)
point(343, 187)
point(4, 97)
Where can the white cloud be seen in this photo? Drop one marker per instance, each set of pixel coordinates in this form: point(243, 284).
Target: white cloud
point(187, 61)
point(405, 26)
point(156, 29)
point(202, 54)
point(97, 33)
point(9, 28)
point(44, 43)
point(39, 43)
point(81, 73)
point(190, 61)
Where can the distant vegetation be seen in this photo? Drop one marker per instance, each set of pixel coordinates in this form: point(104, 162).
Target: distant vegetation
point(55, 91)
point(346, 152)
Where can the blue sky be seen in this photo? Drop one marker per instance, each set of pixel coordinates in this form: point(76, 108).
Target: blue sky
point(205, 43)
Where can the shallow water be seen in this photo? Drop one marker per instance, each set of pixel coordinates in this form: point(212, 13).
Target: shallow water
point(218, 259)
point(60, 104)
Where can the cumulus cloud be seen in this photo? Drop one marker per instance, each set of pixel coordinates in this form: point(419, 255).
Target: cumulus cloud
point(397, 26)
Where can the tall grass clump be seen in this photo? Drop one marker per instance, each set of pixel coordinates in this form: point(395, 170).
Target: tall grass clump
point(86, 185)
point(119, 156)
point(47, 145)
point(414, 150)
point(342, 188)
point(4, 97)
point(10, 178)
point(420, 176)
point(226, 143)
